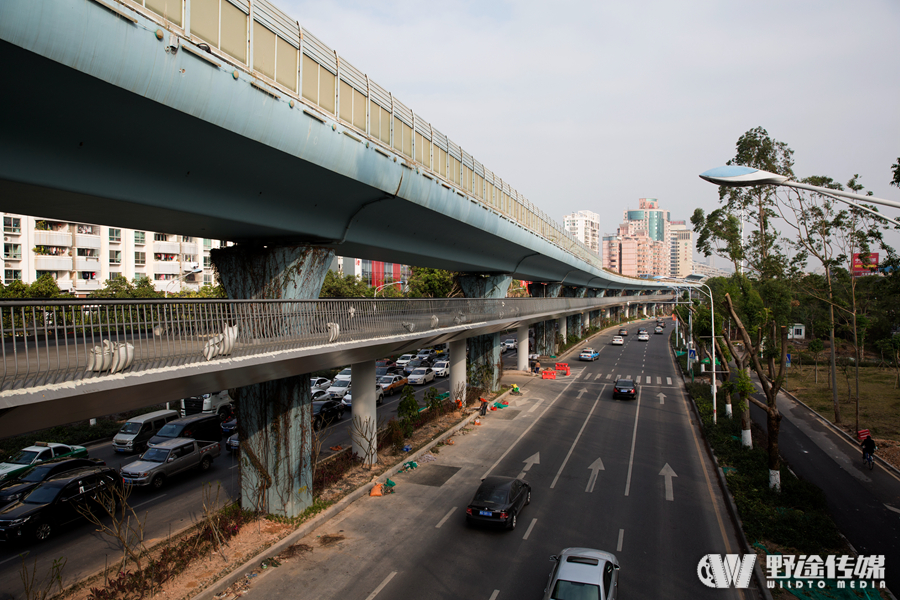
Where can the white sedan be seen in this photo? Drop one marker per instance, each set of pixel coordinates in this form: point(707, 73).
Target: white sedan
point(441, 368)
point(421, 376)
point(618, 340)
point(643, 337)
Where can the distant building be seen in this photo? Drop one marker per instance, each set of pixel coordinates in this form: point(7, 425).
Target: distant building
point(648, 244)
point(373, 272)
point(709, 270)
point(681, 249)
point(650, 218)
point(585, 225)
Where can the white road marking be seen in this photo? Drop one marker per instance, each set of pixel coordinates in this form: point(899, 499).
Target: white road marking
point(668, 381)
point(621, 538)
point(599, 375)
point(668, 473)
point(662, 398)
point(595, 468)
point(381, 587)
point(527, 429)
point(148, 501)
point(447, 516)
point(536, 404)
point(494, 595)
point(609, 375)
point(633, 440)
point(888, 506)
point(572, 448)
point(649, 379)
point(534, 459)
point(658, 381)
point(528, 531)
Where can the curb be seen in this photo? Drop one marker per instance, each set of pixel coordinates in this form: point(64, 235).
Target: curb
point(251, 564)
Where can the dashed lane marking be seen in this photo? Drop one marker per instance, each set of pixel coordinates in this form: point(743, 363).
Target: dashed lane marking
point(381, 586)
point(447, 516)
point(530, 527)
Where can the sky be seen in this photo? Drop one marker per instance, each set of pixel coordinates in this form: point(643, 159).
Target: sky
point(593, 105)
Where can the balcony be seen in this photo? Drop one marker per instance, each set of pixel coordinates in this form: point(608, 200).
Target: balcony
point(87, 263)
point(53, 263)
point(167, 247)
point(87, 285)
point(52, 238)
point(83, 240)
point(172, 267)
point(12, 256)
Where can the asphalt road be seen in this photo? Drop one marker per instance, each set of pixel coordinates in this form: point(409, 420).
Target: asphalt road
point(169, 510)
point(598, 469)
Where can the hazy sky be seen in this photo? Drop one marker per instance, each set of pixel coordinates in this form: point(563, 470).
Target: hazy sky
point(592, 105)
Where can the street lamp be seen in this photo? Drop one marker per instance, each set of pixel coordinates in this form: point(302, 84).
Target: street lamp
point(737, 176)
point(192, 270)
point(384, 285)
point(712, 324)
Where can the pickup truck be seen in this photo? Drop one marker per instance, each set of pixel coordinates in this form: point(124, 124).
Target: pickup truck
point(169, 458)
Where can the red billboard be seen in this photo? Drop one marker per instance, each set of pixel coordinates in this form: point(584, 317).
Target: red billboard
point(865, 264)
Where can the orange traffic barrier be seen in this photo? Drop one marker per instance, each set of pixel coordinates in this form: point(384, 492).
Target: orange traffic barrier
point(548, 374)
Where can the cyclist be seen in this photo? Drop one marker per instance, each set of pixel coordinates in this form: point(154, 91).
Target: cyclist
point(868, 446)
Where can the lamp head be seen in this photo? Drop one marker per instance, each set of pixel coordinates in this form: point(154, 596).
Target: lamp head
point(737, 176)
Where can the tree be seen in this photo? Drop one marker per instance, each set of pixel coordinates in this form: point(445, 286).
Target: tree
point(896, 169)
point(433, 283)
point(122, 289)
point(346, 286)
point(816, 346)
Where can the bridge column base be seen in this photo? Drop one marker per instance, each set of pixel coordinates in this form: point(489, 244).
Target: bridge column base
point(484, 350)
point(274, 417)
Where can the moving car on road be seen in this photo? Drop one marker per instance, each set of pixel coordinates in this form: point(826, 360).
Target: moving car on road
point(583, 573)
point(321, 383)
point(416, 363)
point(345, 374)
point(33, 455)
point(498, 501)
point(421, 376)
point(589, 354)
point(626, 388)
point(339, 389)
point(324, 413)
point(623, 332)
point(137, 431)
point(391, 384)
point(401, 362)
point(643, 337)
point(658, 330)
point(19, 488)
point(441, 368)
point(618, 340)
point(347, 400)
point(511, 343)
point(169, 458)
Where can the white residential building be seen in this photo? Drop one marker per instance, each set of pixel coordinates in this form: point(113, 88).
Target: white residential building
point(81, 256)
point(682, 249)
point(585, 225)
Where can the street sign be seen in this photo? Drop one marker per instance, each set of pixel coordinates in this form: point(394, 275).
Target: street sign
point(692, 354)
point(788, 360)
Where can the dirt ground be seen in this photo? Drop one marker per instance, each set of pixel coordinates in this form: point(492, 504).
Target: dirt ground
point(255, 537)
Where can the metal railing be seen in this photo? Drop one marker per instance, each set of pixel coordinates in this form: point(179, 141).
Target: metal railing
point(52, 342)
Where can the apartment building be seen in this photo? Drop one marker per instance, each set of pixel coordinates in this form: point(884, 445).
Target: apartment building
point(585, 225)
point(374, 272)
point(631, 251)
point(682, 249)
point(80, 256)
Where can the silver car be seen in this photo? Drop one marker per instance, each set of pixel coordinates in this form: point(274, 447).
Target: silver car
point(583, 573)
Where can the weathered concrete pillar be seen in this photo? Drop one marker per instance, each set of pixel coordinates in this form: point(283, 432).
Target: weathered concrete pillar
point(484, 350)
point(563, 330)
point(522, 350)
point(545, 331)
point(364, 427)
point(458, 370)
point(274, 417)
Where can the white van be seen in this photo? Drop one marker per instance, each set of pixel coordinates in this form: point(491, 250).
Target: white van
point(137, 431)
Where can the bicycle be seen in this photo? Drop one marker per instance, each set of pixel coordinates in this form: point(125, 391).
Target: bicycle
point(869, 459)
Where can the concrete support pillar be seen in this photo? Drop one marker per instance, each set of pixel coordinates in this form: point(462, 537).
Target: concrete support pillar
point(458, 370)
point(522, 351)
point(364, 428)
point(563, 329)
point(484, 350)
point(545, 338)
point(274, 417)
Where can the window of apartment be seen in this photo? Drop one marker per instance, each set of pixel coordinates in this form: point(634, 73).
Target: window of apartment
point(140, 258)
point(115, 235)
point(114, 274)
point(87, 252)
point(160, 237)
point(115, 257)
point(162, 257)
point(12, 225)
point(39, 274)
point(88, 230)
point(207, 243)
point(190, 258)
point(139, 237)
point(12, 251)
point(164, 276)
point(139, 277)
point(207, 279)
point(207, 262)
point(87, 275)
point(186, 239)
point(12, 275)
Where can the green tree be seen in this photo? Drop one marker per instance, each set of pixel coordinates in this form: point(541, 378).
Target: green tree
point(122, 289)
point(816, 346)
point(44, 287)
point(345, 286)
point(896, 169)
point(433, 283)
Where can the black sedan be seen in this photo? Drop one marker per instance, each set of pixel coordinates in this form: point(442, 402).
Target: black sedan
point(626, 388)
point(498, 501)
point(17, 489)
point(59, 501)
point(229, 427)
point(326, 412)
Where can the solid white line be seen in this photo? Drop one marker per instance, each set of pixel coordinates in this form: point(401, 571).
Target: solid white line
point(22, 556)
point(530, 527)
point(495, 594)
point(572, 448)
point(381, 587)
point(527, 429)
point(148, 501)
point(621, 537)
point(447, 516)
point(633, 440)
point(538, 403)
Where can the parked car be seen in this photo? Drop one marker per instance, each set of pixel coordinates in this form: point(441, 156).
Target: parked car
point(421, 376)
point(643, 337)
point(498, 501)
point(511, 343)
point(589, 354)
point(658, 330)
point(36, 454)
point(583, 573)
point(321, 383)
point(137, 431)
point(387, 363)
point(416, 363)
point(196, 427)
point(347, 400)
point(391, 384)
point(623, 332)
point(169, 458)
point(233, 444)
point(56, 502)
point(618, 340)
point(624, 387)
point(441, 368)
point(344, 374)
point(325, 412)
point(229, 427)
point(338, 389)
point(401, 362)
point(16, 489)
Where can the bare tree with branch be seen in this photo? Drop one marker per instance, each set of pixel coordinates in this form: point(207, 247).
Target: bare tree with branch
point(123, 525)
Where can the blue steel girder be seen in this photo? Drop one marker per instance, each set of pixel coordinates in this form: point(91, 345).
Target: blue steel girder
point(114, 127)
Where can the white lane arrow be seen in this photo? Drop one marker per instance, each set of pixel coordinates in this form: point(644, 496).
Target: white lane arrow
point(595, 468)
point(668, 473)
point(581, 393)
point(662, 398)
point(535, 459)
